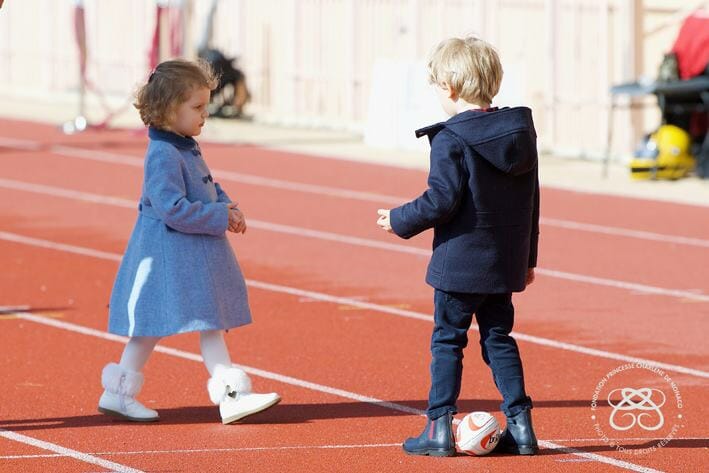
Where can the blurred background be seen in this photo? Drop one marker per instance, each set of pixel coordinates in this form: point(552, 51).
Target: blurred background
point(356, 66)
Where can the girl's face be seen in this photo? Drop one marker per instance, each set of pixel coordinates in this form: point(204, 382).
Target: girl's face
point(190, 115)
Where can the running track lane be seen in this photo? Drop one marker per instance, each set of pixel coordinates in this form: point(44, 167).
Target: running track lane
point(316, 256)
point(420, 370)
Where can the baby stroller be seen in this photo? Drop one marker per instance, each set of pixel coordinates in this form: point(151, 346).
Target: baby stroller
point(681, 143)
point(231, 95)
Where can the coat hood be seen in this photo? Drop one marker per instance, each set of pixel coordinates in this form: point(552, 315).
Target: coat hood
point(505, 138)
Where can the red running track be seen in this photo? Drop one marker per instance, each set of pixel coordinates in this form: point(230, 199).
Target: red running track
point(342, 320)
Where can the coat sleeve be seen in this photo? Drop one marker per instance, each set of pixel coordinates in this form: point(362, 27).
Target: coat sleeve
point(221, 195)
point(165, 188)
point(534, 237)
point(440, 201)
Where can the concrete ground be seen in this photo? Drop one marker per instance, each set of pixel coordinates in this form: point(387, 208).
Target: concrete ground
point(565, 173)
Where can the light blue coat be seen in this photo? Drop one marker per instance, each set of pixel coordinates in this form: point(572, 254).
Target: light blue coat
point(179, 273)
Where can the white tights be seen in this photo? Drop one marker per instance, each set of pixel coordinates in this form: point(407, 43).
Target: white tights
point(211, 343)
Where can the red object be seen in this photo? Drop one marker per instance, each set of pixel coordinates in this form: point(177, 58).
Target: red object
point(176, 33)
point(154, 53)
point(174, 18)
point(692, 45)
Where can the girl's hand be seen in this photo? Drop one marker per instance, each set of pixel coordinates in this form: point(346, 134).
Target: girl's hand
point(383, 220)
point(237, 221)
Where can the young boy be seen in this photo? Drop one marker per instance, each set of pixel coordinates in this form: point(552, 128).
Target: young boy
point(483, 205)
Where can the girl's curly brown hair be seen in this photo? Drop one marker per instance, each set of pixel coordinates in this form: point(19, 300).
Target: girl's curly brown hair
point(169, 85)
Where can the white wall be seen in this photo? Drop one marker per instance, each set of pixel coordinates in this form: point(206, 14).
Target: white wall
point(312, 62)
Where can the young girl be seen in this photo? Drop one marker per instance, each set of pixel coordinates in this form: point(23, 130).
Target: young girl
point(179, 273)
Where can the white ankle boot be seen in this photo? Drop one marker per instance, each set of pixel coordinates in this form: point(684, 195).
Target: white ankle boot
point(230, 388)
point(118, 400)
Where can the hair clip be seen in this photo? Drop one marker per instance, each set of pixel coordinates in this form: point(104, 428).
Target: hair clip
point(206, 178)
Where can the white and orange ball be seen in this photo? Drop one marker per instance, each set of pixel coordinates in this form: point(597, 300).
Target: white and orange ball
point(478, 433)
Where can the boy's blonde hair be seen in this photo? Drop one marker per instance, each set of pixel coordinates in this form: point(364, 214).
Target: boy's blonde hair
point(169, 85)
point(470, 66)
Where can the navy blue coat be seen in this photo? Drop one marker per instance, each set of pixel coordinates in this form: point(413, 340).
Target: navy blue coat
point(482, 202)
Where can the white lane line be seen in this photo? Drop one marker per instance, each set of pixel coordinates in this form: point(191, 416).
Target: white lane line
point(624, 232)
point(68, 193)
point(113, 158)
point(309, 188)
point(338, 238)
point(24, 145)
point(15, 238)
point(520, 336)
point(221, 174)
point(14, 308)
point(629, 439)
point(374, 307)
point(67, 452)
point(317, 387)
point(215, 450)
point(262, 225)
point(301, 447)
point(195, 357)
point(362, 242)
point(630, 286)
point(599, 458)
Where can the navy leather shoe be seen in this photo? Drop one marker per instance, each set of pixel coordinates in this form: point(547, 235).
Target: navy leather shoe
point(436, 439)
point(519, 436)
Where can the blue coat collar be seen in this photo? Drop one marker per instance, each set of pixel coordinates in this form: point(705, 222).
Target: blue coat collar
point(505, 137)
point(184, 142)
point(476, 126)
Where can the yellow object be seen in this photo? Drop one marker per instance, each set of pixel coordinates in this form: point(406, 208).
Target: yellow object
point(664, 154)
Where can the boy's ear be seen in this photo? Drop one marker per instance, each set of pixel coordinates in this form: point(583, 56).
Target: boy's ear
point(450, 92)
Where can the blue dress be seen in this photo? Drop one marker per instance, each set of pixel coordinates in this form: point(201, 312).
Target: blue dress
point(179, 273)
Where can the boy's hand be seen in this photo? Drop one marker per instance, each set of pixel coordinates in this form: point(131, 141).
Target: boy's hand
point(530, 276)
point(237, 221)
point(383, 220)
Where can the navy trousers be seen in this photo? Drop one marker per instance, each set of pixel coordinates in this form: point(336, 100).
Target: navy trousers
point(452, 318)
